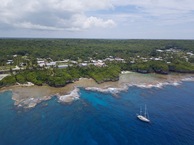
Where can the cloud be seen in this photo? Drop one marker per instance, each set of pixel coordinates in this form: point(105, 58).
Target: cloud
point(84, 17)
point(53, 14)
point(28, 25)
point(88, 22)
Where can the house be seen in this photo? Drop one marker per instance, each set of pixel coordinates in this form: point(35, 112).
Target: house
point(119, 59)
point(49, 64)
point(159, 50)
point(99, 64)
point(189, 53)
point(41, 63)
point(158, 58)
point(93, 61)
point(109, 59)
point(9, 61)
point(83, 64)
point(74, 62)
point(63, 66)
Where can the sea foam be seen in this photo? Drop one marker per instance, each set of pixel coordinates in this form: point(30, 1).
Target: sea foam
point(126, 86)
point(74, 95)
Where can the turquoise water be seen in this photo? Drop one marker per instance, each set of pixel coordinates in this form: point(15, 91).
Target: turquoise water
point(102, 119)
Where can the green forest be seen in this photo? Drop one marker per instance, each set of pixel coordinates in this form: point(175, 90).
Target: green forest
point(143, 56)
point(59, 49)
point(61, 77)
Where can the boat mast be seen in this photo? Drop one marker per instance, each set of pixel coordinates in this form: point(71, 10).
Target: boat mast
point(140, 110)
point(145, 111)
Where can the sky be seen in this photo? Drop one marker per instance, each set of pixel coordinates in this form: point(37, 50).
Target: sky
point(111, 19)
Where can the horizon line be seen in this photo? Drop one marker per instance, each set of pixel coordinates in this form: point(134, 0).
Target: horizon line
point(96, 38)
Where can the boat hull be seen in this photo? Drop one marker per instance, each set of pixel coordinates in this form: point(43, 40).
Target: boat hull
point(142, 118)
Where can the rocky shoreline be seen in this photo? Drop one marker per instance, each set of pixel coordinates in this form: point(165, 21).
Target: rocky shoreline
point(28, 96)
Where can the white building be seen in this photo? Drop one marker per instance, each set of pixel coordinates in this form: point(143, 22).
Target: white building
point(83, 64)
point(63, 66)
point(99, 64)
point(49, 64)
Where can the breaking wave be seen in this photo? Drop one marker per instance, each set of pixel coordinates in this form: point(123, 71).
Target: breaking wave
point(74, 95)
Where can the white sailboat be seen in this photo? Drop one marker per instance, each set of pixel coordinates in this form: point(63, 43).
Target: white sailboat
point(144, 117)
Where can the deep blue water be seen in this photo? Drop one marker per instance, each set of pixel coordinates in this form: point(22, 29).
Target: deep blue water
point(103, 119)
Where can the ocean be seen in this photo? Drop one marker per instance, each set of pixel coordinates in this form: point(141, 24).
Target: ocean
point(103, 119)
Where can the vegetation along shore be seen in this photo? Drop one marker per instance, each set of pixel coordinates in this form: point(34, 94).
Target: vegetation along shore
point(58, 62)
point(36, 69)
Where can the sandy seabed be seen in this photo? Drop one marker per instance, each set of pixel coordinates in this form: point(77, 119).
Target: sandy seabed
point(29, 96)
